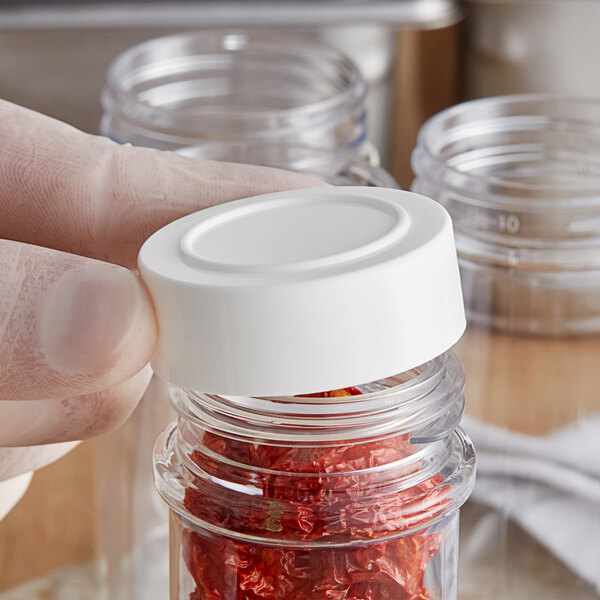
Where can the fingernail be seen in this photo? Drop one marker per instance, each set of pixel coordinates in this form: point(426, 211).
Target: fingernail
point(88, 317)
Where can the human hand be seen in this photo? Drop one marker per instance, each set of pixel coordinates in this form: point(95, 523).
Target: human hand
point(77, 328)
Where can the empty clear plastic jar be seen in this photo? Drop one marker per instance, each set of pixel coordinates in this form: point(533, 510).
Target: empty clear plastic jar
point(290, 103)
point(351, 494)
point(520, 176)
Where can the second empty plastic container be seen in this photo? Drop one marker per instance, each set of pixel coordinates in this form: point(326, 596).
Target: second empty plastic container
point(520, 176)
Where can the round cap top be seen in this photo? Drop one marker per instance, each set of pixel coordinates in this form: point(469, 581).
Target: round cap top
point(303, 291)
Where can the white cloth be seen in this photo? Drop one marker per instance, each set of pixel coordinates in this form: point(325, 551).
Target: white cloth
point(549, 485)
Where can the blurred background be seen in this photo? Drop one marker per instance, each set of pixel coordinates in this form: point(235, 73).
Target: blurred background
point(418, 57)
point(54, 56)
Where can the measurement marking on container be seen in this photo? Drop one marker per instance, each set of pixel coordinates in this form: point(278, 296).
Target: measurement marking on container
point(509, 223)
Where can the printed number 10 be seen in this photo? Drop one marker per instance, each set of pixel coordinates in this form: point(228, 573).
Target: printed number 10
point(509, 223)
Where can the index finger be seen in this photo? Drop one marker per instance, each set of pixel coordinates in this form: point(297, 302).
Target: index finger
point(87, 195)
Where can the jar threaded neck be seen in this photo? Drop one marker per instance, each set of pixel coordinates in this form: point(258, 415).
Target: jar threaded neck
point(188, 89)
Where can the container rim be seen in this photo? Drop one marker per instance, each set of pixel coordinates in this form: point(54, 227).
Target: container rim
point(232, 41)
point(469, 182)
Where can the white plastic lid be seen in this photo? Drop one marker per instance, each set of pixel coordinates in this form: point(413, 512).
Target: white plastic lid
point(303, 291)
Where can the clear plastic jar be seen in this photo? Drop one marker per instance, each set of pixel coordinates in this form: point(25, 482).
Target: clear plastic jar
point(258, 92)
point(290, 103)
point(520, 176)
point(351, 494)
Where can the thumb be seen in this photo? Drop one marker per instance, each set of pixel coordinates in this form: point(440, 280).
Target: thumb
point(69, 325)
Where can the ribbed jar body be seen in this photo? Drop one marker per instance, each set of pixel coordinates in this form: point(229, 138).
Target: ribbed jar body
point(520, 176)
point(351, 494)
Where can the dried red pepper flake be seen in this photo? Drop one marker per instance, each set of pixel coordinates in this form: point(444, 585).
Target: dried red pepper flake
point(317, 507)
point(350, 391)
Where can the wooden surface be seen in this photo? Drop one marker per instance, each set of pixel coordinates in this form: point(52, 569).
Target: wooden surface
point(52, 527)
point(528, 384)
point(426, 80)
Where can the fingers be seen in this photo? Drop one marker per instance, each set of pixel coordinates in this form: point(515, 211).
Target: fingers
point(11, 491)
point(17, 461)
point(85, 194)
point(69, 325)
point(25, 423)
